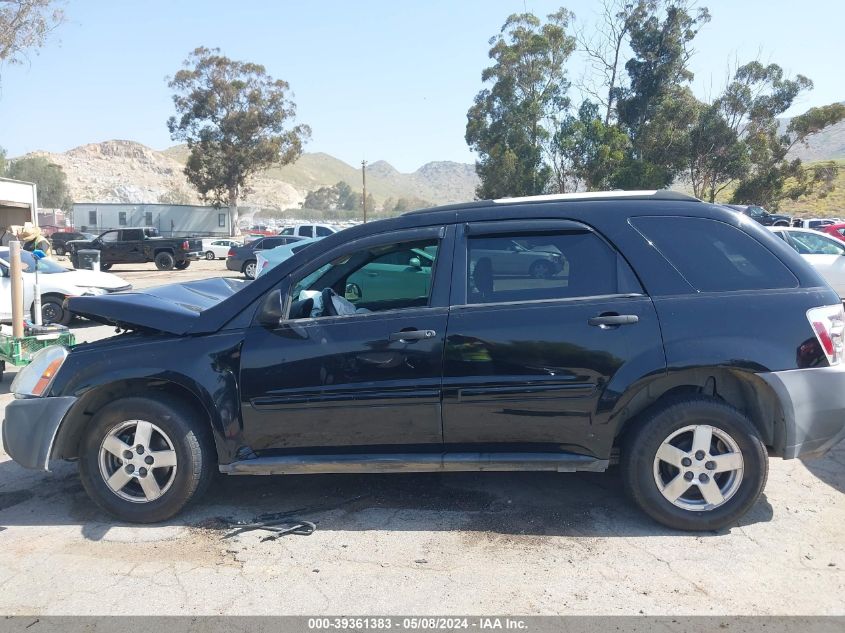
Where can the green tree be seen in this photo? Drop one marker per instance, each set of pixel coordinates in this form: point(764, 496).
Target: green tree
point(25, 25)
point(236, 120)
point(752, 103)
point(508, 125)
point(49, 178)
point(717, 155)
point(2, 162)
point(588, 151)
point(658, 109)
point(322, 199)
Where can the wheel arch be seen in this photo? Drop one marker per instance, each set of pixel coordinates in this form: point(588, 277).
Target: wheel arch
point(72, 428)
point(743, 390)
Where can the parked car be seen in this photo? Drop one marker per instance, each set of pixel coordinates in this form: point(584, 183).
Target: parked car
point(672, 339)
point(835, 230)
point(218, 248)
point(817, 224)
point(133, 246)
point(760, 215)
point(242, 259)
point(267, 259)
point(309, 230)
point(59, 239)
point(55, 284)
point(826, 254)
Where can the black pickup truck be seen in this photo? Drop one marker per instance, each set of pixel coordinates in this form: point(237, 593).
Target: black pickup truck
point(134, 246)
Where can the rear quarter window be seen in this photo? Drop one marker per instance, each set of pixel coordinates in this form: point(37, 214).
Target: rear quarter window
point(714, 256)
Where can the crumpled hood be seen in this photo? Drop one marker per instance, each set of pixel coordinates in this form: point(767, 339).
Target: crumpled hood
point(174, 308)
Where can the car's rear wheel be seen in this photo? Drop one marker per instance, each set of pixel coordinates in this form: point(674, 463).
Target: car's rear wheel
point(144, 459)
point(694, 463)
point(182, 265)
point(164, 261)
point(250, 268)
point(58, 249)
point(541, 269)
point(209, 255)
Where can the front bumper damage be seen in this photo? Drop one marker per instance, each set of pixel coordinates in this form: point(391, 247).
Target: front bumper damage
point(30, 427)
point(813, 404)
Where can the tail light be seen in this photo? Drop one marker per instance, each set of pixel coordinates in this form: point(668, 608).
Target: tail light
point(231, 253)
point(186, 246)
point(828, 323)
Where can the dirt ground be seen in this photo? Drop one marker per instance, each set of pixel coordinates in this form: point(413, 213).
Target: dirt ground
point(468, 543)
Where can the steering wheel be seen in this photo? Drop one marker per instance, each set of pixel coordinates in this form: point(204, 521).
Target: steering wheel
point(328, 304)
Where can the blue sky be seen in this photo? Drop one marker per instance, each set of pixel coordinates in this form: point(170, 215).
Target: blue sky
point(375, 79)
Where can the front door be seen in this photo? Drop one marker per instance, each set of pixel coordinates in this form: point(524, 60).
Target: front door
point(367, 377)
point(530, 351)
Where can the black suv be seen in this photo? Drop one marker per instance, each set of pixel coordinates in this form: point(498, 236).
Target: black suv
point(673, 336)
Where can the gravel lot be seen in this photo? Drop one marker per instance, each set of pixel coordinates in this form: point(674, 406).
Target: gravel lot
point(523, 543)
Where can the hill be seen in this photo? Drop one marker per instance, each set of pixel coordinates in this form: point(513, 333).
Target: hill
point(126, 171)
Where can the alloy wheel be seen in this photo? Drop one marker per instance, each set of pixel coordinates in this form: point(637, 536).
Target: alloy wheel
point(137, 461)
point(698, 467)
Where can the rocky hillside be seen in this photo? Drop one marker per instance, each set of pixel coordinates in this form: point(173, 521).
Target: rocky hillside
point(126, 171)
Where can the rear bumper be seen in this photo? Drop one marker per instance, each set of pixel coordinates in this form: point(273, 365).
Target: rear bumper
point(813, 403)
point(30, 427)
point(234, 264)
point(192, 257)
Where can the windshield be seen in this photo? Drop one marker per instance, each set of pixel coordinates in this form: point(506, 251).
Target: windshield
point(46, 266)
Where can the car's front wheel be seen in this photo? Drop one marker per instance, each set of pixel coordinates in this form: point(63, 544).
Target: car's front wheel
point(58, 249)
point(144, 459)
point(694, 463)
point(183, 264)
point(209, 255)
point(53, 311)
point(541, 269)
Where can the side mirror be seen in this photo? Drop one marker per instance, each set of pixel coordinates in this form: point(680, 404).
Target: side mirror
point(353, 292)
point(270, 314)
point(415, 262)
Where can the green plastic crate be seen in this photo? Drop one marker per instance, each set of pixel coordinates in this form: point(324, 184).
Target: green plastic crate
point(19, 351)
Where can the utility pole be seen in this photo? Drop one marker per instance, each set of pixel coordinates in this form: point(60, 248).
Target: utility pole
point(364, 179)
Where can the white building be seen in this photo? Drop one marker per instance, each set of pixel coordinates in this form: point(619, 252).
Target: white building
point(169, 219)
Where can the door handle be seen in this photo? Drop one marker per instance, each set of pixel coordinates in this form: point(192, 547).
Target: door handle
point(412, 335)
point(613, 320)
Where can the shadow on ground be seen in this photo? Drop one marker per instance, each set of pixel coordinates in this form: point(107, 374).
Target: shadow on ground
point(831, 468)
point(541, 504)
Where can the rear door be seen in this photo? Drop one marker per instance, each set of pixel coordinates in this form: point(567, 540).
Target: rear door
point(528, 358)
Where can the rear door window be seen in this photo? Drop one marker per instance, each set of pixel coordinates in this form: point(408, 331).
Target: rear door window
point(542, 266)
point(714, 256)
point(323, 231)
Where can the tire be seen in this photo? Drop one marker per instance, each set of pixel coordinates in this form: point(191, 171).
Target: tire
point(105, 267)
point(176, 433)
point(58, 249)
point(53, 311)
point(680, 420)
point(541, 269)
point(249, 269)
point(164, 261)
point(182, 265)
point(209, 255)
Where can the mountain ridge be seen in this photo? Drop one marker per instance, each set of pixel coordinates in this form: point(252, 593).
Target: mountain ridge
point(121, 170)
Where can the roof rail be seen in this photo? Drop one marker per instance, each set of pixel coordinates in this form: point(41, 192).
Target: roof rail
point(651, 194)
